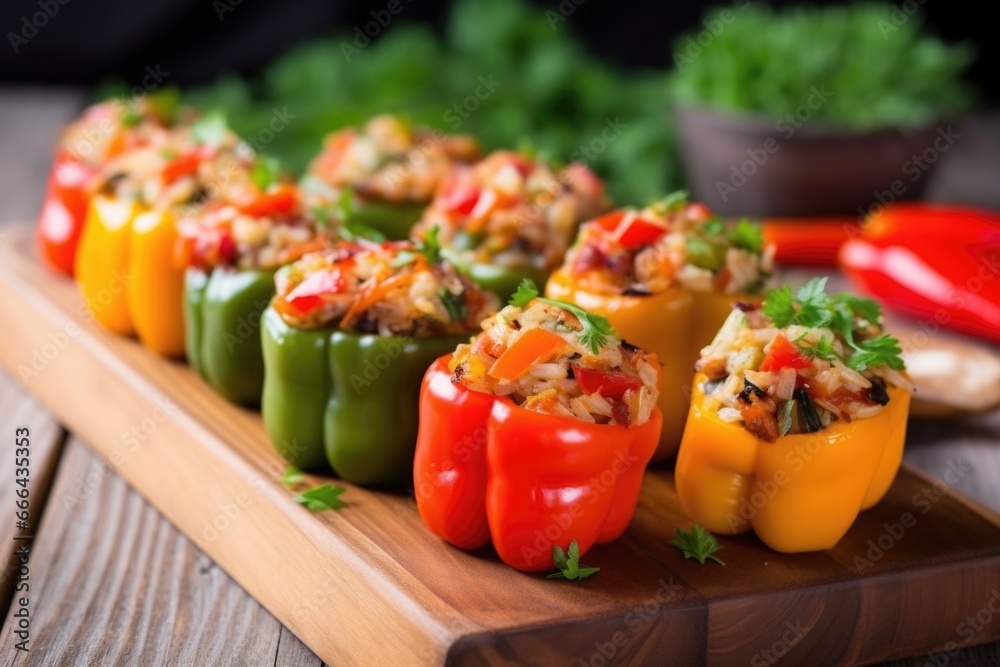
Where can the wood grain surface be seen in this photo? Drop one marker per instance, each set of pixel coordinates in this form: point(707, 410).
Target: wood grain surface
point(107, 615)
point(370, 584)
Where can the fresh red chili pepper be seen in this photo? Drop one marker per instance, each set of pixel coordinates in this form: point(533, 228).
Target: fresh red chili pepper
point(783, 353)
point(610, 385)
point(935, 262)
point(809, 242)
point(486, 469)
point(63, 213)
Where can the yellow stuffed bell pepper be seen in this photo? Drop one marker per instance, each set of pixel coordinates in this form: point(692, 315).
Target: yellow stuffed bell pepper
point(662, 277)
point(797, 421)
point(126, 270)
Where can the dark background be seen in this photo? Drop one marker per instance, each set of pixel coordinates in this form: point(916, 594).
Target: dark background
point(88, 41)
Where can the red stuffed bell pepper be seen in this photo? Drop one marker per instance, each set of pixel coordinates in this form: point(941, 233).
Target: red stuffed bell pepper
point(102, 132)
point(536, 434)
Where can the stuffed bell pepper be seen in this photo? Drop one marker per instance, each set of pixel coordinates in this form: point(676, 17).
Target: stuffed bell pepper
point(232, 245)
point(665, 277)
point(797, 420)
point(126, 264)
point(346, 342)
point(536, 433)
point(389, 170)
point(103, 131)
point(511, 217)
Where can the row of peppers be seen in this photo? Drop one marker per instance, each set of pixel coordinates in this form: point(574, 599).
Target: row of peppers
point(217, 318)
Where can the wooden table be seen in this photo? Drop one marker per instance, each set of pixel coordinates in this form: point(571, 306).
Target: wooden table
point(114, 583)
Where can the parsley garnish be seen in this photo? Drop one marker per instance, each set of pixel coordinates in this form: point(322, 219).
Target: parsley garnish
point(265, 171)
point(132, 115)
point(884, 350)
point(675, 201)
point(823, 349)
point(351, 229)
point(747, 236)
point(569, 564)
point(812, 307)
point(714, 227)
point(596, 328)
point(430, 246)
point(292, 476)
point(322, 498)
point(211, 129)
point(696, 543)
point(454, 304)
point(165, 102)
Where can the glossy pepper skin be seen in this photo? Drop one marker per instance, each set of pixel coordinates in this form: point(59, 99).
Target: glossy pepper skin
point(674, 325)
point(393, 220)
point(222, 313)
point(126, 270)
point(501, 280)
point(487, 470)
point(800, 493)
point(934, 262)
point(63, 214)
point(343, 400)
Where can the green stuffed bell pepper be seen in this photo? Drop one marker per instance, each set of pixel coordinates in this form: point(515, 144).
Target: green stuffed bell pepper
point(388, 169)
point(346, 343)
point(222, 311)
point(511, 217)
point(231, 246)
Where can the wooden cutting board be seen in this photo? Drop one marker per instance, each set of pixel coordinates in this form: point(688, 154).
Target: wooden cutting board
point(368, 584)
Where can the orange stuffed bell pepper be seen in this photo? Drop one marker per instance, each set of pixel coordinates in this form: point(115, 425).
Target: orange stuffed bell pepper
point(102, 132)
point(665, 277)
point(536, 434)
point(131, 280)
point(797, 421)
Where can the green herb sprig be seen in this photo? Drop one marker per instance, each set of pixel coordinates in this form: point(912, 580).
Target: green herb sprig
point(292, 476)
point(211, 129)
point(596, 328)
point(569, 564)
point(323, 497)
point(265, 172)
point(697, 543)
point(844, 314)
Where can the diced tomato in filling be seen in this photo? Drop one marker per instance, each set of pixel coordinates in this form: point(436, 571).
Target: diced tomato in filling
point(281, 199)
point(698, 212)
point(783, 353)
point(610, 221)
point(308, 295)
point(610, 385)
point(640, 232)
point(460, 200)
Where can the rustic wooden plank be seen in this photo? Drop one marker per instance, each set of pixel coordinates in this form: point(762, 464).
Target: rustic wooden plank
point(292, 652)
point(19, 409)
point(369, 583)
point(112, 582)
